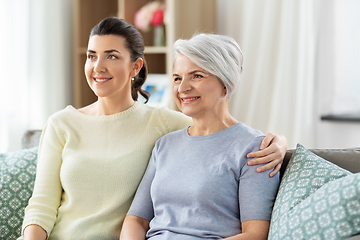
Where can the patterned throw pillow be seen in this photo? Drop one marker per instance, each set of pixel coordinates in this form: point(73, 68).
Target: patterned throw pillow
point(17, 175)
point(316, 200)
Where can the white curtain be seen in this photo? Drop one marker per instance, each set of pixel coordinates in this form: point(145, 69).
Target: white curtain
point(278, 39)
point(36, 65)
point(346, 39)
point(337, 72)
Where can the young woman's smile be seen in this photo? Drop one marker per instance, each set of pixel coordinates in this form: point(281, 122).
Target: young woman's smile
point(99, 80)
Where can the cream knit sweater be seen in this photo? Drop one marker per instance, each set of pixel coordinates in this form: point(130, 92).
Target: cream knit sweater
point(89, 168)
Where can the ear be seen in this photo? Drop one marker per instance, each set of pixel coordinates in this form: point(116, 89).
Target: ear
point(224, 91)
point(137, 65)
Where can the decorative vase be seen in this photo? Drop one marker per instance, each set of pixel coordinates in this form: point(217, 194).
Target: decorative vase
point(159, 35)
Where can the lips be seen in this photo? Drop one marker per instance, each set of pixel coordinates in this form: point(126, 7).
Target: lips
point(189, 99)
point(101, 80)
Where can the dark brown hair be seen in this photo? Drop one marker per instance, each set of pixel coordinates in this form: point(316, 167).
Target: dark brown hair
point(134, 42)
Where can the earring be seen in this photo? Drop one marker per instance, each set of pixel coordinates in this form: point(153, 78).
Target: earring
point(132, 80)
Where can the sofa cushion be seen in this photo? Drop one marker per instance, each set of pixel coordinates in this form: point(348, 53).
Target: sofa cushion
point(17, 175)
point(347, 158)
point(316, 200)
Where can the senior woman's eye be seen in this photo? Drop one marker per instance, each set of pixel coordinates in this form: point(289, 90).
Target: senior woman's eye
point(197, 76)
point(176, 79)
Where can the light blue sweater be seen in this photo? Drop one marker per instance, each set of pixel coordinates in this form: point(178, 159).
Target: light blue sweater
point(201, 187)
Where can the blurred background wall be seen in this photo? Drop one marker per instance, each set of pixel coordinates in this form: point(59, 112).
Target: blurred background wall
point(36, 65)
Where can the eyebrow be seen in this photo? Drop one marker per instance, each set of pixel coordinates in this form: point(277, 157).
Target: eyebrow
point(111, 50)
point(106, 51)
point(192, 72)
point(195, 71)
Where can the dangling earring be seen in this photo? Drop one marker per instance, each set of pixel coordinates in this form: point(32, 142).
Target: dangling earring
point(132, 80)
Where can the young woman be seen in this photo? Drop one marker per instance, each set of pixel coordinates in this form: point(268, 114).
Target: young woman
point(198, 184)
point(92, 159)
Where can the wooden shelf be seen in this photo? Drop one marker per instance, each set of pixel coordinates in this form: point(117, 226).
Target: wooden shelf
point(152, 49)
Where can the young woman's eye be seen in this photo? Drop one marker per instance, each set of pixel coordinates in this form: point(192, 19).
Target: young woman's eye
point(90, 57)
point(112, 57)
point(177, 79)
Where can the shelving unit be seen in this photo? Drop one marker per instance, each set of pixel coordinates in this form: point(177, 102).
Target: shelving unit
point(184, 18)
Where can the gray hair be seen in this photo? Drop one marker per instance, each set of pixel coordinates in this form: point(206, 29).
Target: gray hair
point(218, 55)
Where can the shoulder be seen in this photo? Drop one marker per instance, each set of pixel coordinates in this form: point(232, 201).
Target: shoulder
point(171, 138)
point(247, 137)
point(174, 135)
point(248, 131)
point(63, 120)
point(64, 114)
point(170, 120)
point(243, 133)
point(168, 113)
point(56, 124)
point(68, 110)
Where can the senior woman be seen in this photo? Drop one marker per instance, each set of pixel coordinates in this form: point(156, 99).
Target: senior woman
point(198, 184)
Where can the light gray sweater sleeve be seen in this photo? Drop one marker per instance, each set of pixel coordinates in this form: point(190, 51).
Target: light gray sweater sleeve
point(257, 191)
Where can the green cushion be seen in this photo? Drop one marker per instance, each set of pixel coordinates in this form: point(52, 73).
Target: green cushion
point(316, 200)
point(17, 175)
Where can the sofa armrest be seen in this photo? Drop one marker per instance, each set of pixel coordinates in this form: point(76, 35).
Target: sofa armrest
point(356, 237)
point(30, 139)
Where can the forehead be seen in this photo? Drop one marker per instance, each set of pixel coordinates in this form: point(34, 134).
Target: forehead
point(105, 42)
point(184, 64)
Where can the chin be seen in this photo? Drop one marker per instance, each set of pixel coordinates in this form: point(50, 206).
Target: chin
point(101, 93)
point(188, 112)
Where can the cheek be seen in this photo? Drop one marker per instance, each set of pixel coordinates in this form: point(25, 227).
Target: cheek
point(213, 92)
point(175, 90)
point(87, 69)
point(120, 69)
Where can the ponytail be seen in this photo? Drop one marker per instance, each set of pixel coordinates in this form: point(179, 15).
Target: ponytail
point(139, 80)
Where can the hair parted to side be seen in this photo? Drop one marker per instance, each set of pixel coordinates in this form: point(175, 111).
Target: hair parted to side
point(134, 42)
point(219, 55)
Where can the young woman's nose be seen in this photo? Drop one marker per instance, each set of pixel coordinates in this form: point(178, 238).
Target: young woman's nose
point(99, 66)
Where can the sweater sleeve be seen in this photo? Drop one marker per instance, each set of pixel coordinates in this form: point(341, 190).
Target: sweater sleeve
point(43, 204)
point(173, 120)
point(257, 191)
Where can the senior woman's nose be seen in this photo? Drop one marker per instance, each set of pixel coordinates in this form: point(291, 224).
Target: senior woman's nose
point(185, 85)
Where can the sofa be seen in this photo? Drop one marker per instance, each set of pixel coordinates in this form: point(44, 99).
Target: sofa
point(318, 197)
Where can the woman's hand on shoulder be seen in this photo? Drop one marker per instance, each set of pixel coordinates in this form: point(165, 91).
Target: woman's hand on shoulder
point(272, 151)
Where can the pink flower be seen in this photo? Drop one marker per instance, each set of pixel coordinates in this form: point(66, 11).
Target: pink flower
point(142, 19)
point(158, 17)
point(150, 14)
